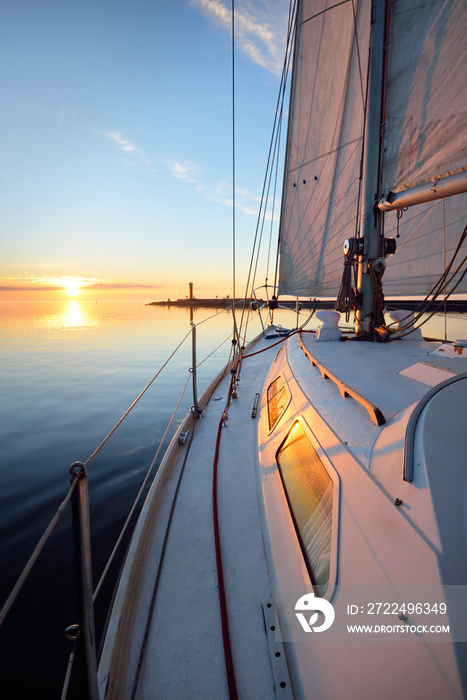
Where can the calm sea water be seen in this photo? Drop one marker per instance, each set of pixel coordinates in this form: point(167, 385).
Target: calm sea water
point(68, 371)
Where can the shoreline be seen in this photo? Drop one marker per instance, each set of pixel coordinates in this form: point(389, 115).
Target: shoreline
point(454, 305)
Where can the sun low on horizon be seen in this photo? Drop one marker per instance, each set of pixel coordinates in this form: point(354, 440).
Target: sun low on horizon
point(85, 288)
point(73, 287)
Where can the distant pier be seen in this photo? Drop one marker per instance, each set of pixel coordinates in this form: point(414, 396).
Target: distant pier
point(453, 305)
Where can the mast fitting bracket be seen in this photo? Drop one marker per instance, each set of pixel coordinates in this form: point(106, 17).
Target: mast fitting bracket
point(353, 247)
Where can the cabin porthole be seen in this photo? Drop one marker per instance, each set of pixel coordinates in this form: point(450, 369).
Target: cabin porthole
point(312, 496)
point(278, 399)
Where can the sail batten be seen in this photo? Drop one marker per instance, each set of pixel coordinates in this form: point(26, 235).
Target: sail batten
point(423, 156)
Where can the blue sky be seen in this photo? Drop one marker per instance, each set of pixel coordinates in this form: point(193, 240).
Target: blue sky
point(116, 132)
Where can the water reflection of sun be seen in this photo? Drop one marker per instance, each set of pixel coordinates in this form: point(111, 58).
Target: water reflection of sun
point(72, 315)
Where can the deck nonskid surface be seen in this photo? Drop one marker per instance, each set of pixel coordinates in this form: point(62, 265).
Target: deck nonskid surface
point(184, 652)
point(371, 369)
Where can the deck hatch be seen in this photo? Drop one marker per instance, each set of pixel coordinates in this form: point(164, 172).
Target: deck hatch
point(309, 489)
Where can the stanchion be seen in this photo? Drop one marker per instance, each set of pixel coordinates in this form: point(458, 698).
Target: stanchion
point(83, 570)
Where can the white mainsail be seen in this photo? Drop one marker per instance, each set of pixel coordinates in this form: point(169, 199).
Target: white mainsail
point(426, 113)
point(424, 119)
point(424, 144)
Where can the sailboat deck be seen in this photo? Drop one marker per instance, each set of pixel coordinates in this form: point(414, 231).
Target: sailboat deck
point(176, 647)
point(369, 369)
point(183, 653)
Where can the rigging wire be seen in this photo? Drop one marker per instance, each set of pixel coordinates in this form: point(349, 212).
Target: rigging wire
point(337, 126)
point(69, 669)
point(236, 353)
point(122, 533)
point(109, 435)
point(275, 159)
point(310, 316)
point(278, 248)
point(440, 304)
point(326, 208)
point(138, 496)
point(442, 285)
point(271, 227)
point(277, 117)
point(48, 531)
point(34, 556)
point(235, 331)
point(362, 154)
point(347, 296)
point(210, 317)
point(357, 43)
point(386, 67)
point(214, 351)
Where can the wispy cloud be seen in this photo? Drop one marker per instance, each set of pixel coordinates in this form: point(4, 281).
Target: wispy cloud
point(259, 28)
point(135, 154)
point(54, 284)
point(121, 285)
point(184, 171)
point(219, 193)
point(30, 288)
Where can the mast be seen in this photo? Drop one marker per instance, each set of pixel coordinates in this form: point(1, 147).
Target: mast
point(371, 216)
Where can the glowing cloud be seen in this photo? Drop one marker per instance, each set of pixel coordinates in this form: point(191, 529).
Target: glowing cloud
point(71, 285)
point(259, 29)
point(220, 193)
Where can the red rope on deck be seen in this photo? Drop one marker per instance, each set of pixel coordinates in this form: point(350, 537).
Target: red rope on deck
point(233, 695)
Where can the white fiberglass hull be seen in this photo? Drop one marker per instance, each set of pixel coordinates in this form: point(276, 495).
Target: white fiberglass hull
point(385, 532)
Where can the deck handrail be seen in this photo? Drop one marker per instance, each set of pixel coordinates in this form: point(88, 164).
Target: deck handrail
point(345, 390)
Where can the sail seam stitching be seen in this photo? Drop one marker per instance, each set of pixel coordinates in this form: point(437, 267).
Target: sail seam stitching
point(333, 7)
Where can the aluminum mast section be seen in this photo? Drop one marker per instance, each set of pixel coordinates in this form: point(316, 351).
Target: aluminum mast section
point(370, 230)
